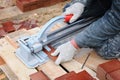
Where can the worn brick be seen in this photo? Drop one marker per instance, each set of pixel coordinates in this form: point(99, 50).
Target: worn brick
point(27, 5)
point(33, 2)
point(22, 6)
point(83, 75)
point(115, 75)
point(107, 68)
point(32, 7)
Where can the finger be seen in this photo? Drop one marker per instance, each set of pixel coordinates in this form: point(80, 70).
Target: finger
point(56, 52)
point(68, 11)
point(58, 61)
point(74, 18)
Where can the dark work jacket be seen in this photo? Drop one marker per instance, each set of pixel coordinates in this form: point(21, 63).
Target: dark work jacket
point(94, 7)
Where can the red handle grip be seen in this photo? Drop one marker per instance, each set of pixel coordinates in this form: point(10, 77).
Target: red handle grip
point(68, 17)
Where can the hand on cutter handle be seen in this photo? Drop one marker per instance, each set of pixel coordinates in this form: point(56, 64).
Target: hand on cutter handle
point(65, 52)
point(76, 10)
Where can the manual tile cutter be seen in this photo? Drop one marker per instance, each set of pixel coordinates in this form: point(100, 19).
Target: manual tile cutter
point(30, 50)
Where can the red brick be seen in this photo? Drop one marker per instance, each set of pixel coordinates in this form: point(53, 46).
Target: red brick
point(52, 2)
point(26, 5)
point(101, 74)
point(42, 3)
point(76, 76)
point(22, 6)
point(68, 76)
point(111, 65)
point(23, 3)
point(33, 2)
point(32, 7)
point(84, 76)
point(38, 76)
point(8, 26)
point(2, 32)
point(19, 5)
point(106, 68)
point(114, 75)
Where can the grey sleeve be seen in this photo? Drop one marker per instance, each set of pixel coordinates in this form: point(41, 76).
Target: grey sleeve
point(101, 30)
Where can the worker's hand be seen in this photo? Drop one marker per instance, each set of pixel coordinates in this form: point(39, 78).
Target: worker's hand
point(76, 9)
point(65, 52)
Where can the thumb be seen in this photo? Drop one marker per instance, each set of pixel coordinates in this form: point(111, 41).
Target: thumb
point(56, 52)
point(74, 18)
point(58, 61)
point(67, 12)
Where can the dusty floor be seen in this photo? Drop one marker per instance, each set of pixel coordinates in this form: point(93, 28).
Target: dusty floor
point(47, 13)
point(42, 15)
point(6, 3)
